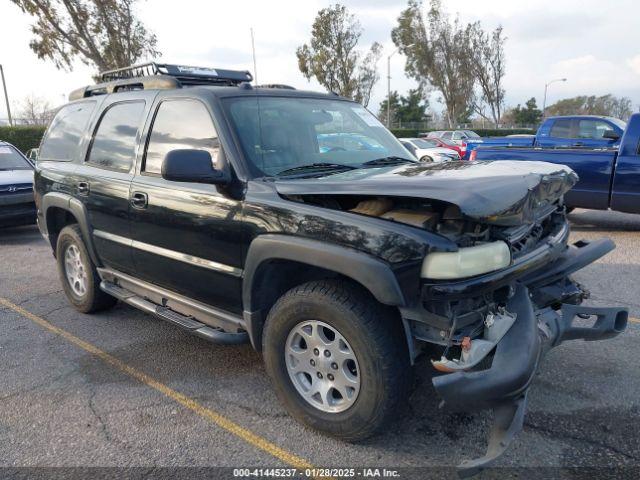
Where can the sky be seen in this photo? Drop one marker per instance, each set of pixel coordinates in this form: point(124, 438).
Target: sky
point(594, 44)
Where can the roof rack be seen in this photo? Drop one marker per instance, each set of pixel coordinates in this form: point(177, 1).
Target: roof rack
point(160, 76)
point(276, 85)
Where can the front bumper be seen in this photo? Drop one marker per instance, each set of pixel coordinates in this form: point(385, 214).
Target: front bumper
point(17, 209)
point(542, 321)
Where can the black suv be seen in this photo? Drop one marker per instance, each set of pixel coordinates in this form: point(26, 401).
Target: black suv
point(296, 221)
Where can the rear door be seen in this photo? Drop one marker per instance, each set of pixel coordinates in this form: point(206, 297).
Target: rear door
point(104, 178)
point(561, 134)
point(625, 192)
point(187, 236)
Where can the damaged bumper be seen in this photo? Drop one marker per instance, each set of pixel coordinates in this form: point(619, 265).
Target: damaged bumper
point(518, 351)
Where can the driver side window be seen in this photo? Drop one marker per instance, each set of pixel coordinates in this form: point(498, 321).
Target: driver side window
point(180, 124)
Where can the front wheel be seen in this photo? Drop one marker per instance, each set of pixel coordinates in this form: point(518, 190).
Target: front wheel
point(338, 359)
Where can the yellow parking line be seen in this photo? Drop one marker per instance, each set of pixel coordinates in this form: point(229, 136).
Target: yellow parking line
point(214, 417)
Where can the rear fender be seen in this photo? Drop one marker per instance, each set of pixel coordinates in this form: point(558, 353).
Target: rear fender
point(76, 208)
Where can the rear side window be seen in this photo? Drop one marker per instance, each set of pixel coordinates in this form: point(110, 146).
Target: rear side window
point(180, 124)
point(115, 140)
point(561, 128)
point(65, 132)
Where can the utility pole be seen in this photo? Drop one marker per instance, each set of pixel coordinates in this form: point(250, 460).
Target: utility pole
point(6, 97)
point(389, 86)
point(544, 101)
point(255, 65)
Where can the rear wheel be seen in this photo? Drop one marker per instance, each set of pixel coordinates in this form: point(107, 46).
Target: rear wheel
point(338, 359)
point(78, 274)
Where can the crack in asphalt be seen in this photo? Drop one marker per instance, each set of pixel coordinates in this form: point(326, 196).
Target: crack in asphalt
point(103, 424)
point(34, 388)
point(560, 434)
point(38, 296)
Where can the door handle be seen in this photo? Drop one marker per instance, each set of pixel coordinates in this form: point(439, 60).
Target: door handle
point(83, 188)
point(139, 200)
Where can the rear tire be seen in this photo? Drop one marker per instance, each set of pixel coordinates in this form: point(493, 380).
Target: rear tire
point(369, 347)
point(78, 274)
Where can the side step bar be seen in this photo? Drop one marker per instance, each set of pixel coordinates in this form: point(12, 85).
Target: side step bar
point(211, 333)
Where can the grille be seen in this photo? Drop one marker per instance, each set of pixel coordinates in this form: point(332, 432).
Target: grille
point(12, 189)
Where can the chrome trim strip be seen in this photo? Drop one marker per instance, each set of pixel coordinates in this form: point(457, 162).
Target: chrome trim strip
point(165, 252)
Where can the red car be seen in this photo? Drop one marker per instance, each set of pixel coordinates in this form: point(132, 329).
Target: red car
point(461, 149)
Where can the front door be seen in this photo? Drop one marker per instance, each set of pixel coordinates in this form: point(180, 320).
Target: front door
point(187, 237)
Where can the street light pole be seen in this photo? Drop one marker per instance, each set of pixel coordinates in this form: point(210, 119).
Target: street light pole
point(544, 101)
point(6, 97)
point(389, 87)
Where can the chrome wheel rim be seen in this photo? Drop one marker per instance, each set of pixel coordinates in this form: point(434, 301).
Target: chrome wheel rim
point(322, 366)
point(75, 271)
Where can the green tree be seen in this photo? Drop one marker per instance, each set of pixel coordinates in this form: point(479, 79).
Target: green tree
point(528, 115)
point(406, 108)
point(101, 33)
point(413, 107)
point(395, 107)
point(332, 58)
point(619, 107)
point(438, 53)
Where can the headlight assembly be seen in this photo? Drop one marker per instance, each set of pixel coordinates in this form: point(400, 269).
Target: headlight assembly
point(466, 262)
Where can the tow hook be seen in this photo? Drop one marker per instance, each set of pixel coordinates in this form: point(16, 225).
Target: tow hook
point(474, 351)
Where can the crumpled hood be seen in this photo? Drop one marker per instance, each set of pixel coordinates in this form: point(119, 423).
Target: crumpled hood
point(500, 192)
point(15, 177)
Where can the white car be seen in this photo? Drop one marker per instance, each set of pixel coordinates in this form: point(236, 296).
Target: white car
point(459, 137)
point(427, 150)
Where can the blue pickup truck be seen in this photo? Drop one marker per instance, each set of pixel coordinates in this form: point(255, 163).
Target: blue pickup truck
point(588, 131)
point(609, 177)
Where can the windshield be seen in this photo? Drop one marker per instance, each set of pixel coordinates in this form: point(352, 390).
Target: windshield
point(422, 143)
point(471, 134)
point(10, 159)
point(279, 134)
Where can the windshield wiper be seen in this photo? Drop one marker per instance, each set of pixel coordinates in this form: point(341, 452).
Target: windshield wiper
point(391, 160)
point(315, 167)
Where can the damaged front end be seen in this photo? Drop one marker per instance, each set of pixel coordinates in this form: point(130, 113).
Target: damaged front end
point(497, 294)
point(489, 364)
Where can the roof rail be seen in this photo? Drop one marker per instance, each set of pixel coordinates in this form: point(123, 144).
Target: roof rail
point(160, 76)
point(277, 85)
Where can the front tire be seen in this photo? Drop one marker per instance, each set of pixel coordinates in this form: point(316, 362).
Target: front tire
point(338, 359)
point(78, 274)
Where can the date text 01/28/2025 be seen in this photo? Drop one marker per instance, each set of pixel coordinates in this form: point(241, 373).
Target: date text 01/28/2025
point(316, 472)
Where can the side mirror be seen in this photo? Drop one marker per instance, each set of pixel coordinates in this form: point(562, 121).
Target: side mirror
point(611, 135)
point(190, 165)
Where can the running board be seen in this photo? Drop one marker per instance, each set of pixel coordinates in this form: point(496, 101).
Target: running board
point(212, 333)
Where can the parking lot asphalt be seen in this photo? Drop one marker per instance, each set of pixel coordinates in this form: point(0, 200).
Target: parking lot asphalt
point(121, 388)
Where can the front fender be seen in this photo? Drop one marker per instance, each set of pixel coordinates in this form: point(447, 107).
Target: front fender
point(374, 274)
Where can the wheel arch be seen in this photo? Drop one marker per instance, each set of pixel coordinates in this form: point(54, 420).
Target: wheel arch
point(61, 209)
point(276, 263)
